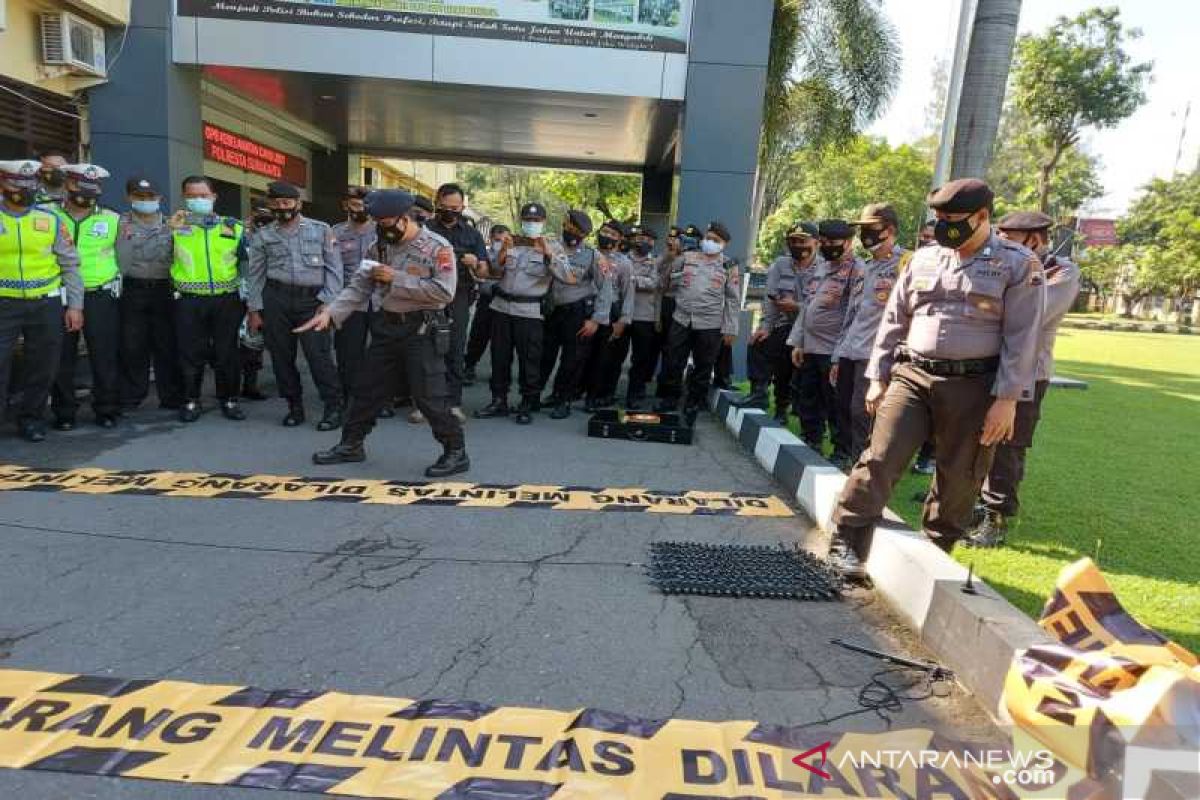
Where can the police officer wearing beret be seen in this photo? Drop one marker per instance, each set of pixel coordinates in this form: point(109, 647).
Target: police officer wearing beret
point(145, 251)
point(769, 359)
point(295, 270)
point(708, 298)
point(416, 273)
point(644, 337)
point(815, 334)
point(355, 240)
point(999, 496)
point(524, 270)
point(611, 346)
point(481, 320)
point(39, 281)
point(956, 352)
point(580, 311)
point(93, 228)
point(679, 241)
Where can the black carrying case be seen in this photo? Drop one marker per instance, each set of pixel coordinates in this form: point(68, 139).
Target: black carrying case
point(639, 427)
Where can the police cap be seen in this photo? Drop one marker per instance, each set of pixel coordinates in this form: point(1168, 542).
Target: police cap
point(23, 170)
point(878, 214)
point(615, 225)
point(86, 176)
point(835, 229)
point(389, 203)
point(141, 185)
point(963, 196)
point(1025, 221)
point(804, 230)
point(282, 190)
point(693, 231)
point(581, 221)
point(717, 227)
point(533, 211)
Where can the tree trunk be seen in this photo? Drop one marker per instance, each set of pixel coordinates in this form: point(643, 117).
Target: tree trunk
point(984, 82)
point(1044, 177)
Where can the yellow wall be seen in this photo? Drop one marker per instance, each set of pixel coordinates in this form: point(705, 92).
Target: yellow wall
point(20, 41)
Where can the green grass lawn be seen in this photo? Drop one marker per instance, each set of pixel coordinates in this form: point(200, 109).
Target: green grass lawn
point(1114, 470)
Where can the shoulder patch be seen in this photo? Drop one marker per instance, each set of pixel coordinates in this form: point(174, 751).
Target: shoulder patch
point(445, 259)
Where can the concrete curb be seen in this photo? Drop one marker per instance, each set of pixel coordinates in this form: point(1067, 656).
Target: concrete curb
point(1131, 327)
point(976, 635)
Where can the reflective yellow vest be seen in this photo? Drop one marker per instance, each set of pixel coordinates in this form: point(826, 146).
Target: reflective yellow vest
point(206, 258)
point(95, 238)
point(28, 267)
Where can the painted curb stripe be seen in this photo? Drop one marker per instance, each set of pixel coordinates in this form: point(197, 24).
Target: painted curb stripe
point(225, 486)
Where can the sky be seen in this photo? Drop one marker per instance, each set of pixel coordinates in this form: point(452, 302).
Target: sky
point(1142, 147)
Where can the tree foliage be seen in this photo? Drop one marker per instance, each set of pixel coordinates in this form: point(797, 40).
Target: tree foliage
point(499, 192)
point(839, 183)
point(1075, 75)
point(833, 65)
point(1161, 238)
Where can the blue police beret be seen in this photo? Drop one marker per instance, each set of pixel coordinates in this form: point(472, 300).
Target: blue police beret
point(388, 203)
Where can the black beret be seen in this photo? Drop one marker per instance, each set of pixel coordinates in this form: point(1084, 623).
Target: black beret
point(803, 230)
point(388, 203)
point(282, 190)
point(424, 203)
point(140, 185)
point(719, 229)
point(357, 192)
point(580, 220)
point(616, 226)
point(643, 230)
point(878, 214)
point(499, 229)
point(1025, 221)
point(533, 211)
point(835, 229)
point(963, 196)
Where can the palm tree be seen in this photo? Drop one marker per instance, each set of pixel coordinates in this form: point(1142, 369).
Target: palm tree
point(983, 85)
point(833, 66)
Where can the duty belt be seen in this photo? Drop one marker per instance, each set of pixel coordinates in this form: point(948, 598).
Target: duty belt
point(949, 367)
point(518, 298)
point(293, 288)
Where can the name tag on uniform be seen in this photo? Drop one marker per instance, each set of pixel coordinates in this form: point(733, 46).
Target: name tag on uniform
point(41, 225)
point(924, 284)
point(100, 229)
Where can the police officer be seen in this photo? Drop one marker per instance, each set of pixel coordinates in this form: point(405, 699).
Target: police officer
point(416, 273)
point(970, 311)
point(644, 336)
point(524, 269)
point(422, 210)
point(708, 298)
point(769, 358)
point(812, 340)
point(207, 270)
point(999, 496)
point(294, 270)
point(611, 347)
point(449, 223)
point(145, 252)
point(251, 344)
point(355, 239)
point(869, 293)
point(39, 275)
point(52, 182)
point(481, 321)
point(580, 310)
point(94, 231)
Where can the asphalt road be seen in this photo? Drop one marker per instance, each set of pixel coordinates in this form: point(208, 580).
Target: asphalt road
point(507, 607)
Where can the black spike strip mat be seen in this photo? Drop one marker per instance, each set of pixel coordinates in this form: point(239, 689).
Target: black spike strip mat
point(741, 571)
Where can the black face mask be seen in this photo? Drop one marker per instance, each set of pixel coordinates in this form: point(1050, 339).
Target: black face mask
point(953, 234)
point(52, 177)
point(391, 235)
point(625, 247)
point(800, 253)
point(870, 239)
point(284, 215)
point(571, 239)
point(833, 252)
point(263, 220)
point(643, 248)
point(82, 200)
point(607, 242)
point(359, 217)
point(447, 216)
point(21, 197)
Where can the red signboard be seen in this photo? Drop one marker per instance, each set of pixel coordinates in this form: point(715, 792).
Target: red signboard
point(233, 150)
point(1098, 232)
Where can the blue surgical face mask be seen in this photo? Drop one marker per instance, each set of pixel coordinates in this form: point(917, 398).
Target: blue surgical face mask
point(710, 247)
point(145, 206)
point(199, 205)
point(533, 228)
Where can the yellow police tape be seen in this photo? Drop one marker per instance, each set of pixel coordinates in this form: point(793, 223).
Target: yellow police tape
point(223, 486)
point(1111, 698)
point(381, 747)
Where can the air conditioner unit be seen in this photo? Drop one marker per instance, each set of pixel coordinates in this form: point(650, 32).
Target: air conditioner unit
point(73, 42)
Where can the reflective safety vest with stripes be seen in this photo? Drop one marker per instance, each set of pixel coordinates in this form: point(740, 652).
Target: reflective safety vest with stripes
point(206, 257)
point(28, 267)
point(95, 238)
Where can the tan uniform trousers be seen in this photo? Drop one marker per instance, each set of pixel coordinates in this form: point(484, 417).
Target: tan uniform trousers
point(918, 406)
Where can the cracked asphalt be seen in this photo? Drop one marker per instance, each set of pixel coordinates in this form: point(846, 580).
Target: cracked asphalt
point(507, 607)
